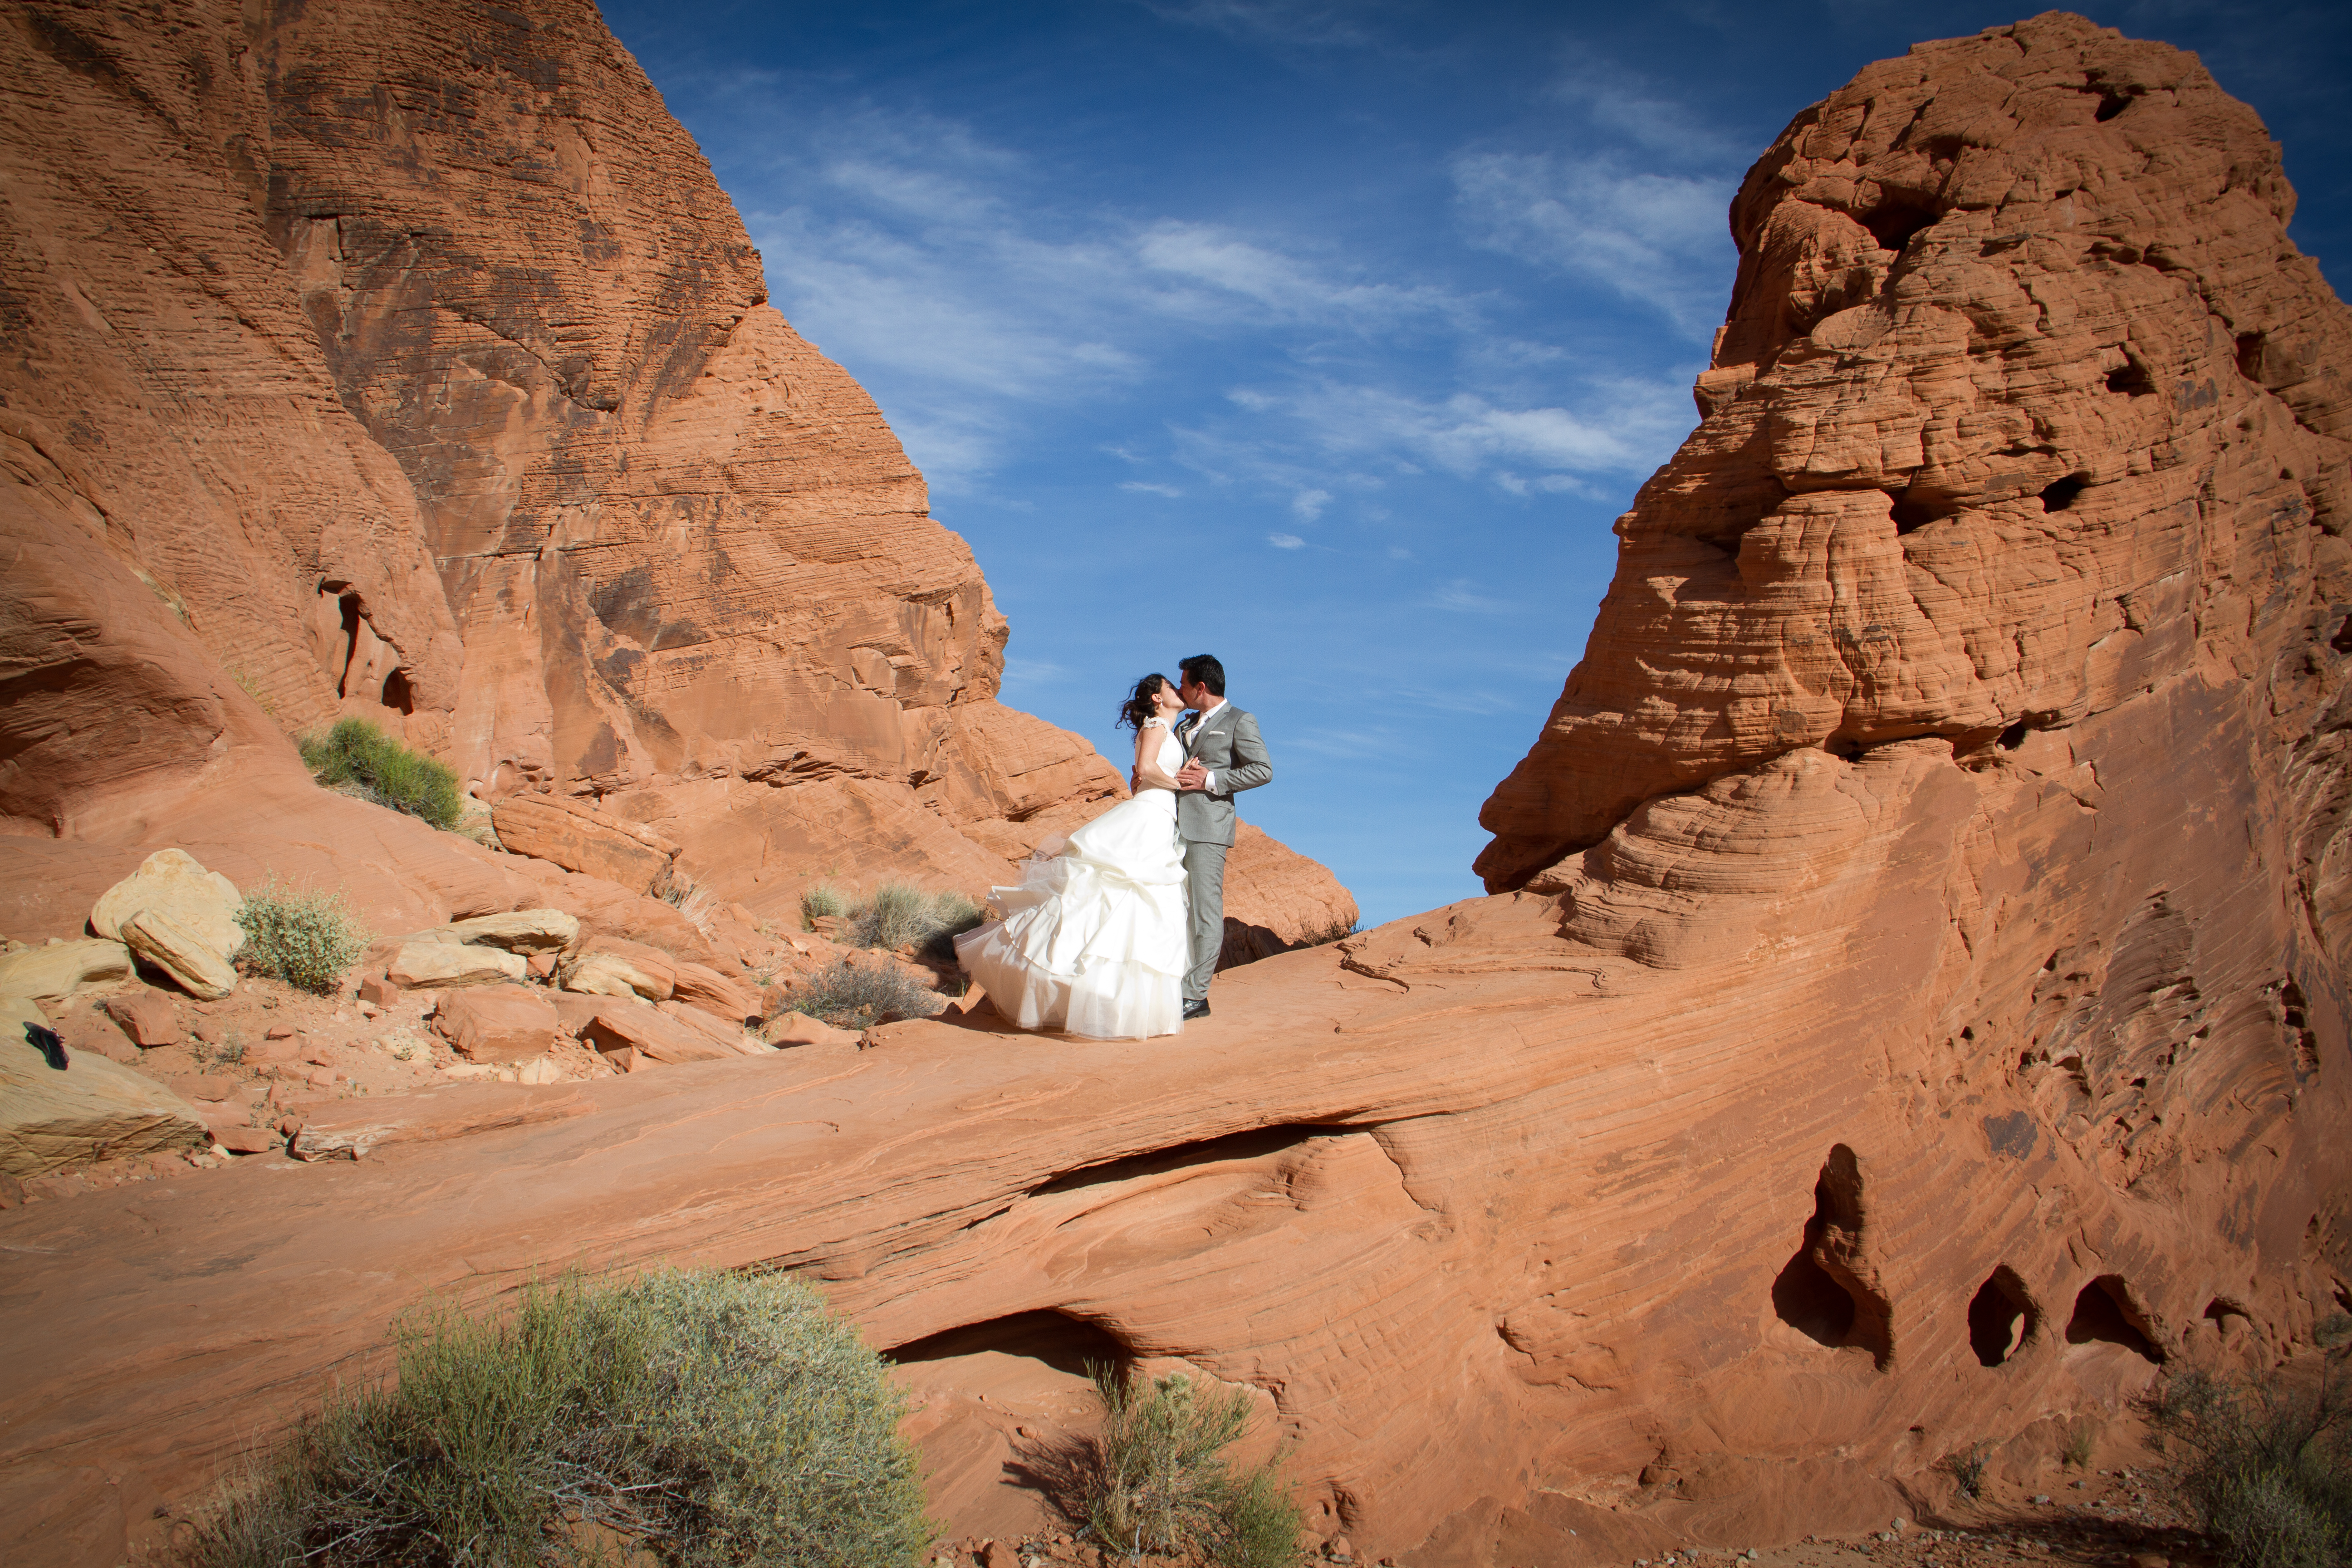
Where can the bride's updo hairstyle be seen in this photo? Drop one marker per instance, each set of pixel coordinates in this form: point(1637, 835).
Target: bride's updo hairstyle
point(1139, 705)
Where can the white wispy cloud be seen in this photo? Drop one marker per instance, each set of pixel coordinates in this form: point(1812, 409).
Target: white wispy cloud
point(1149, 487)
point(1661, 238)
point(1285, 542)
point(1460, 594)
point(1308, 505)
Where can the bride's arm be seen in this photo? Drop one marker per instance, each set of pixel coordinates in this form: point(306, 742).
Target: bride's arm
point(1147, 774)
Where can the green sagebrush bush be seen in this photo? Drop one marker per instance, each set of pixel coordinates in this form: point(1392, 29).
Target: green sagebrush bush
point(356, 753)
point(858, 998)
point(2267, 1468)
point(1159, 1482)
point(712, 1418)
point(306, 938)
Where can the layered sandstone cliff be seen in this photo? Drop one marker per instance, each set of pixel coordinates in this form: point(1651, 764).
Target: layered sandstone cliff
point(406, 361)
point(1915, 1020)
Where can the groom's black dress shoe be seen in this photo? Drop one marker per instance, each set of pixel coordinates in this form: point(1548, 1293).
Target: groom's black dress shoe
point(1196, 1010)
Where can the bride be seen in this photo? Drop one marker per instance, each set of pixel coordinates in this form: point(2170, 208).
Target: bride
point(1093, 942)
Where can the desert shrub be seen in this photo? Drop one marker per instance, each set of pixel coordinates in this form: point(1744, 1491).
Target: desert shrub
point(306, 938)
point(1159, 1480)
point(820, 899)
point(1966, 1471)
point(899, 913)
point(2267, 1468)
point(849, 997)
point(356, 752)
point(2077, 1448)
point(713, 1418)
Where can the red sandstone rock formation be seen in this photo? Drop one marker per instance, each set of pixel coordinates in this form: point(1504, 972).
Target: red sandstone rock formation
point(1918, 1017)
point(406, 361)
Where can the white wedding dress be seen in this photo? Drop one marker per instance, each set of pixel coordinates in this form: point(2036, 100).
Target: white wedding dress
point(1093, 942)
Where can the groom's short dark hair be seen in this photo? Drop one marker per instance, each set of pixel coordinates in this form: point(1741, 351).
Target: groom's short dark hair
point(1202, 669)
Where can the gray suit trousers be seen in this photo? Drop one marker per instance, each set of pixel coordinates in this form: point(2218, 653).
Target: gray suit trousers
point(1205, 893)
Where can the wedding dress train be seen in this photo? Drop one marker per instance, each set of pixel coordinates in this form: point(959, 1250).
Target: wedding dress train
point(1093, 942)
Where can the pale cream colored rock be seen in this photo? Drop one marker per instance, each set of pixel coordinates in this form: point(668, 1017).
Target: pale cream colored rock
point(518, 931)
point(181, 953)
point(442, 964)
point(94, 1109)
point(171, 880)
point(800, 1029)
point(57, 971)
point(608, 967)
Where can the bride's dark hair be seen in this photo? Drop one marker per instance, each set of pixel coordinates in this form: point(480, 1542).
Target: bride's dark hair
point(1139, 705)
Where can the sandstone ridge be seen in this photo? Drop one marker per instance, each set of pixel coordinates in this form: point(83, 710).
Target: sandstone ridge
point(1912, 1015)
point(406, 362)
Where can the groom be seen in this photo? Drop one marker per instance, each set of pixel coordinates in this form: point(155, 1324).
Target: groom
point(1222, 757)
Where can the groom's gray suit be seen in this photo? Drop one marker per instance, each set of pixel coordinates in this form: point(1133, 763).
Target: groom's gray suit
point(1227, 744)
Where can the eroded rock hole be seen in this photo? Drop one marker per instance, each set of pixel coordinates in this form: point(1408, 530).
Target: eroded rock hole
point(2250, 356)
point(1894, 224)
point(2002, 1318)
point(1061, 1341)
point(1914, 512)
point(2131, 378)
point(2114, 101)
point(2008, 739)
point(2059, 494)
point(2221, 1310)
point(397, 693)
point(2104, 1315)
point(1829, 1292)
point(2342, 641)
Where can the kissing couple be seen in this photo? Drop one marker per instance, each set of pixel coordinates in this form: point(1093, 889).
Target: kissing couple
point(1117, 936)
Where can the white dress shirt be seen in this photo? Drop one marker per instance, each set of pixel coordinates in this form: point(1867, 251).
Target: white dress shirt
point(1205, 715)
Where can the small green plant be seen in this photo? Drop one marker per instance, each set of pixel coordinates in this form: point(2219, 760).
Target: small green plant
point(1966, 1471)
point(2266, 1467)
point(355, 753)
point(306, 938)
point(850, 997)
point(1159, 1480)
point(713, 1418)
point(2076, 1450)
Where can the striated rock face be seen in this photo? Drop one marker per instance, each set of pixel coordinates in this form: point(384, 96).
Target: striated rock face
point(406, 361)
point(2025, 406)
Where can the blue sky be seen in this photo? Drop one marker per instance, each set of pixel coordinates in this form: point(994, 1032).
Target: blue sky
point(1328, 338)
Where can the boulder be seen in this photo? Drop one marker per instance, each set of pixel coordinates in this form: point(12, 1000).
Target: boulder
point(181, 952)
point(54, 973)
point(146, 1015)
point(247, 1139)
point(699, 985)
point(443, 963)
point(519, 931)
point(726, 1032)
point(204, 902)
point(800, 1029)
point(378, 992)
point(633, 1035)
point(94, 1109)
point(496, 1023)
point(579, 837)
point(608, 967)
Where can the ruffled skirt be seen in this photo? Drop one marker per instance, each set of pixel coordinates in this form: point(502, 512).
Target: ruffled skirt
point(1093, 942)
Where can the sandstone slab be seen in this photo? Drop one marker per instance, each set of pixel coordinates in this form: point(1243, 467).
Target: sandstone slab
point(416, 964)
point(173, 880)
point(181, 952)
point(699, 985)
point(579, 837)
point(518, 931)
point(93, 1110)
point(608, 967)
point(354, 1129)
point(53, 972)
point(800, 1029)
point(633, 1035)
point(496, 1023)
point(146, 1015)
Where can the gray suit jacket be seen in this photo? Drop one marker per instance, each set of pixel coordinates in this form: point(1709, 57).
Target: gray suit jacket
point(1227, 744)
